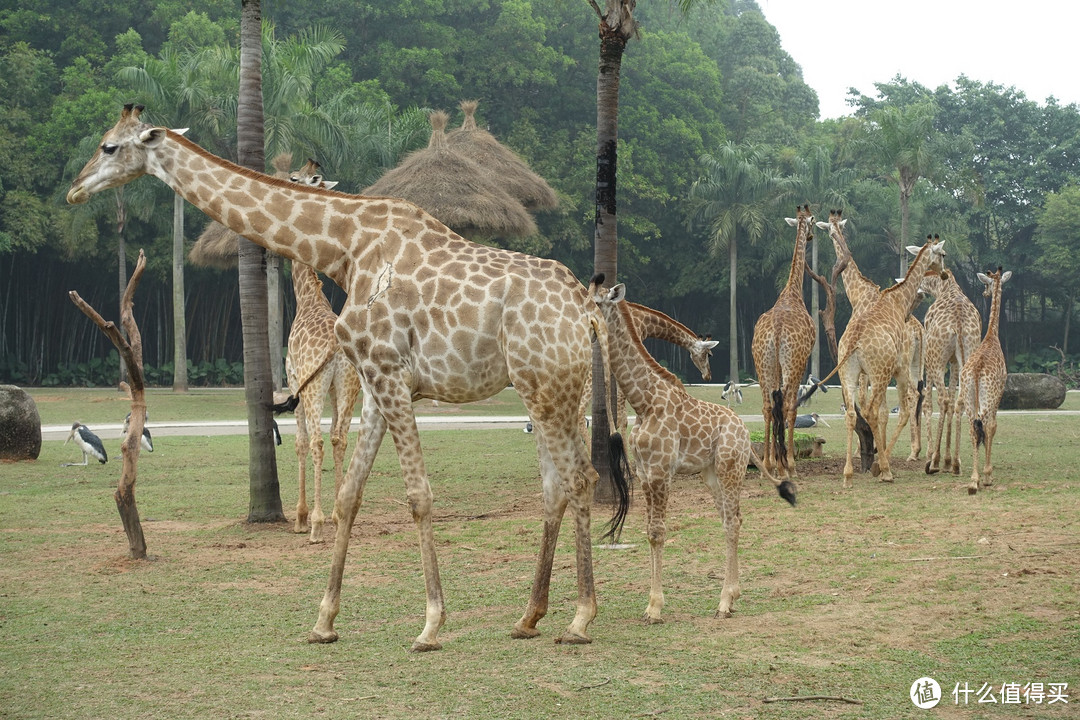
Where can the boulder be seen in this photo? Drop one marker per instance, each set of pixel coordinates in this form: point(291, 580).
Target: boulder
point(1028, 391)
point(20, 425)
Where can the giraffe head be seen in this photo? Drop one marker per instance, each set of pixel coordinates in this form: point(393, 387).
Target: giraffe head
point(700, 354)
point(933, 251)
point(120, 158)
point(835, 224)
point(310, 173)
point(990, 279)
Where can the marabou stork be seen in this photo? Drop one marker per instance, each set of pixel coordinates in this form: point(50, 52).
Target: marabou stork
point(806, 421)
point(807, 389)
point(147, 441)
point(88, 442)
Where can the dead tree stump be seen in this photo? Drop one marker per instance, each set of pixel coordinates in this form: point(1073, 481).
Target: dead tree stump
point(131, 353)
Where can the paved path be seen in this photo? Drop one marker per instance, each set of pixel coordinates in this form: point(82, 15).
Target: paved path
point(287, 425)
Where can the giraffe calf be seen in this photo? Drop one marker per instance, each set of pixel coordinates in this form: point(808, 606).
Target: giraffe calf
point(678, 434)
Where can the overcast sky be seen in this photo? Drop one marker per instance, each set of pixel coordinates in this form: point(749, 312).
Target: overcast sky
point(855, 43)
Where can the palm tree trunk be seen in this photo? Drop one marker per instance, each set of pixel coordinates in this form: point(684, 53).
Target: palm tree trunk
point(606, 242)
point(264, 489)
point(180, 378)
point(733, 318)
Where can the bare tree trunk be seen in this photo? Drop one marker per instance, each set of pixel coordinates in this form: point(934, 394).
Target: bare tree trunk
point(180, 377)
point(263, 487)
point(131, 355)
point(274, 312)
point(733, 316)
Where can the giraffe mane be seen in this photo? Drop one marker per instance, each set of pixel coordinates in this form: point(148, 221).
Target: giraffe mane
point(656, 313)
point(624, 309)
point(263, 177)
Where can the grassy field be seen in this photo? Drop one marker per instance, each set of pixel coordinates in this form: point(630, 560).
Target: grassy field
point(850, 594)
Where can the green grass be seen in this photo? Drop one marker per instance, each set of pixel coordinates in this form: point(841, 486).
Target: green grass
point(854, 593)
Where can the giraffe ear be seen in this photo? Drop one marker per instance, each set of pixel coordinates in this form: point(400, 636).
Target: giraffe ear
point(708, 344)
point(985, 279)
point(913, 249)
point(151, 136)
point(617, 293)
point(327, 184)
point(792, 221)
point(1005, 276)
point(180, 131)
point(822, 225)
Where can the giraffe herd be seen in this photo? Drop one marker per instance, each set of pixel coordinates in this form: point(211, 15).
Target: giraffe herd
point(431, 315)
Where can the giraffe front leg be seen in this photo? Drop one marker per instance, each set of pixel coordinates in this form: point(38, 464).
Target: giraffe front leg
point(372, 430)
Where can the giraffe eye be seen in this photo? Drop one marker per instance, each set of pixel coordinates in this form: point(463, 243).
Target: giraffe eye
point(109, 148)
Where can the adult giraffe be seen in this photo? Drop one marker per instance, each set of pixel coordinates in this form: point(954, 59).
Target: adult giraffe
point(429, 315)
point(783, 340)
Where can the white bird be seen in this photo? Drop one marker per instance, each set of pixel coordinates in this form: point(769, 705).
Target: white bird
point(806, 421)
point(147, 441)
point(88, 442)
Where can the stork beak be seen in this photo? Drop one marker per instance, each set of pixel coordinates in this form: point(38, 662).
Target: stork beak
point(822, 421)
point(70, 436)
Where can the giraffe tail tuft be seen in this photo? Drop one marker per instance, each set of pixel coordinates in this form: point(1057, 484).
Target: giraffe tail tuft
point(787, 491)
point(921, 390)
point(621, 481)
point(786, 488)
point(288, 405)
point(980, 432)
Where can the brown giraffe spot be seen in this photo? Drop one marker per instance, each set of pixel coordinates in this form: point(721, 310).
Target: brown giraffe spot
point(259, 222)
point(240, 198)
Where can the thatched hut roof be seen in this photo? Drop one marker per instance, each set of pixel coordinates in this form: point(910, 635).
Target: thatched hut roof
point(513, 173)
point(462, 194)
point(216, 247)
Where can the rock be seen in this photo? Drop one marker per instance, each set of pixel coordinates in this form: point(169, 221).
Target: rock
point(20, 425)
point(1027, 391)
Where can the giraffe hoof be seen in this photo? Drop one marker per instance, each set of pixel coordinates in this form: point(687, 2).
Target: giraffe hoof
point(973, 489)
point(321, 637)
point(650, 620)
point(875, 469)
point(572, 638)
point(931, 470)
point(721, 614)
point(524, 633)
point(419, 647)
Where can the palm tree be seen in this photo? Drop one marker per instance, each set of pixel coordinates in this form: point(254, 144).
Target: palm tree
point(264, 489)
point(732, 196)
point(902, 140)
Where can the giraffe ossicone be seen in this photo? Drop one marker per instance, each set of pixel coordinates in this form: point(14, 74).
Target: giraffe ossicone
point(428, 315)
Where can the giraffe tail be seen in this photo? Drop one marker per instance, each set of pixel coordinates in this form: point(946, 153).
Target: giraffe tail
point(786, 488)
point(621, 478)
point(287, 405)
point(778, 426)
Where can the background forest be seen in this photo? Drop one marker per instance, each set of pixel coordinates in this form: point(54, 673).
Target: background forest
point(718, 141)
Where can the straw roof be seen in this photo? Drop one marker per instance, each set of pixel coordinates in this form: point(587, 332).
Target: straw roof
point(462, 194)
point(216, 247)
point(514, 174)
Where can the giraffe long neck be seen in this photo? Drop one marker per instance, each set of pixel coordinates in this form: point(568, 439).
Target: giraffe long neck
point(995, 312)
point(861, 290)
point(903, 294)
point(289, 219)
point(651, 323)
point(636, 371)
point(798, 258)
point(308, 289)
